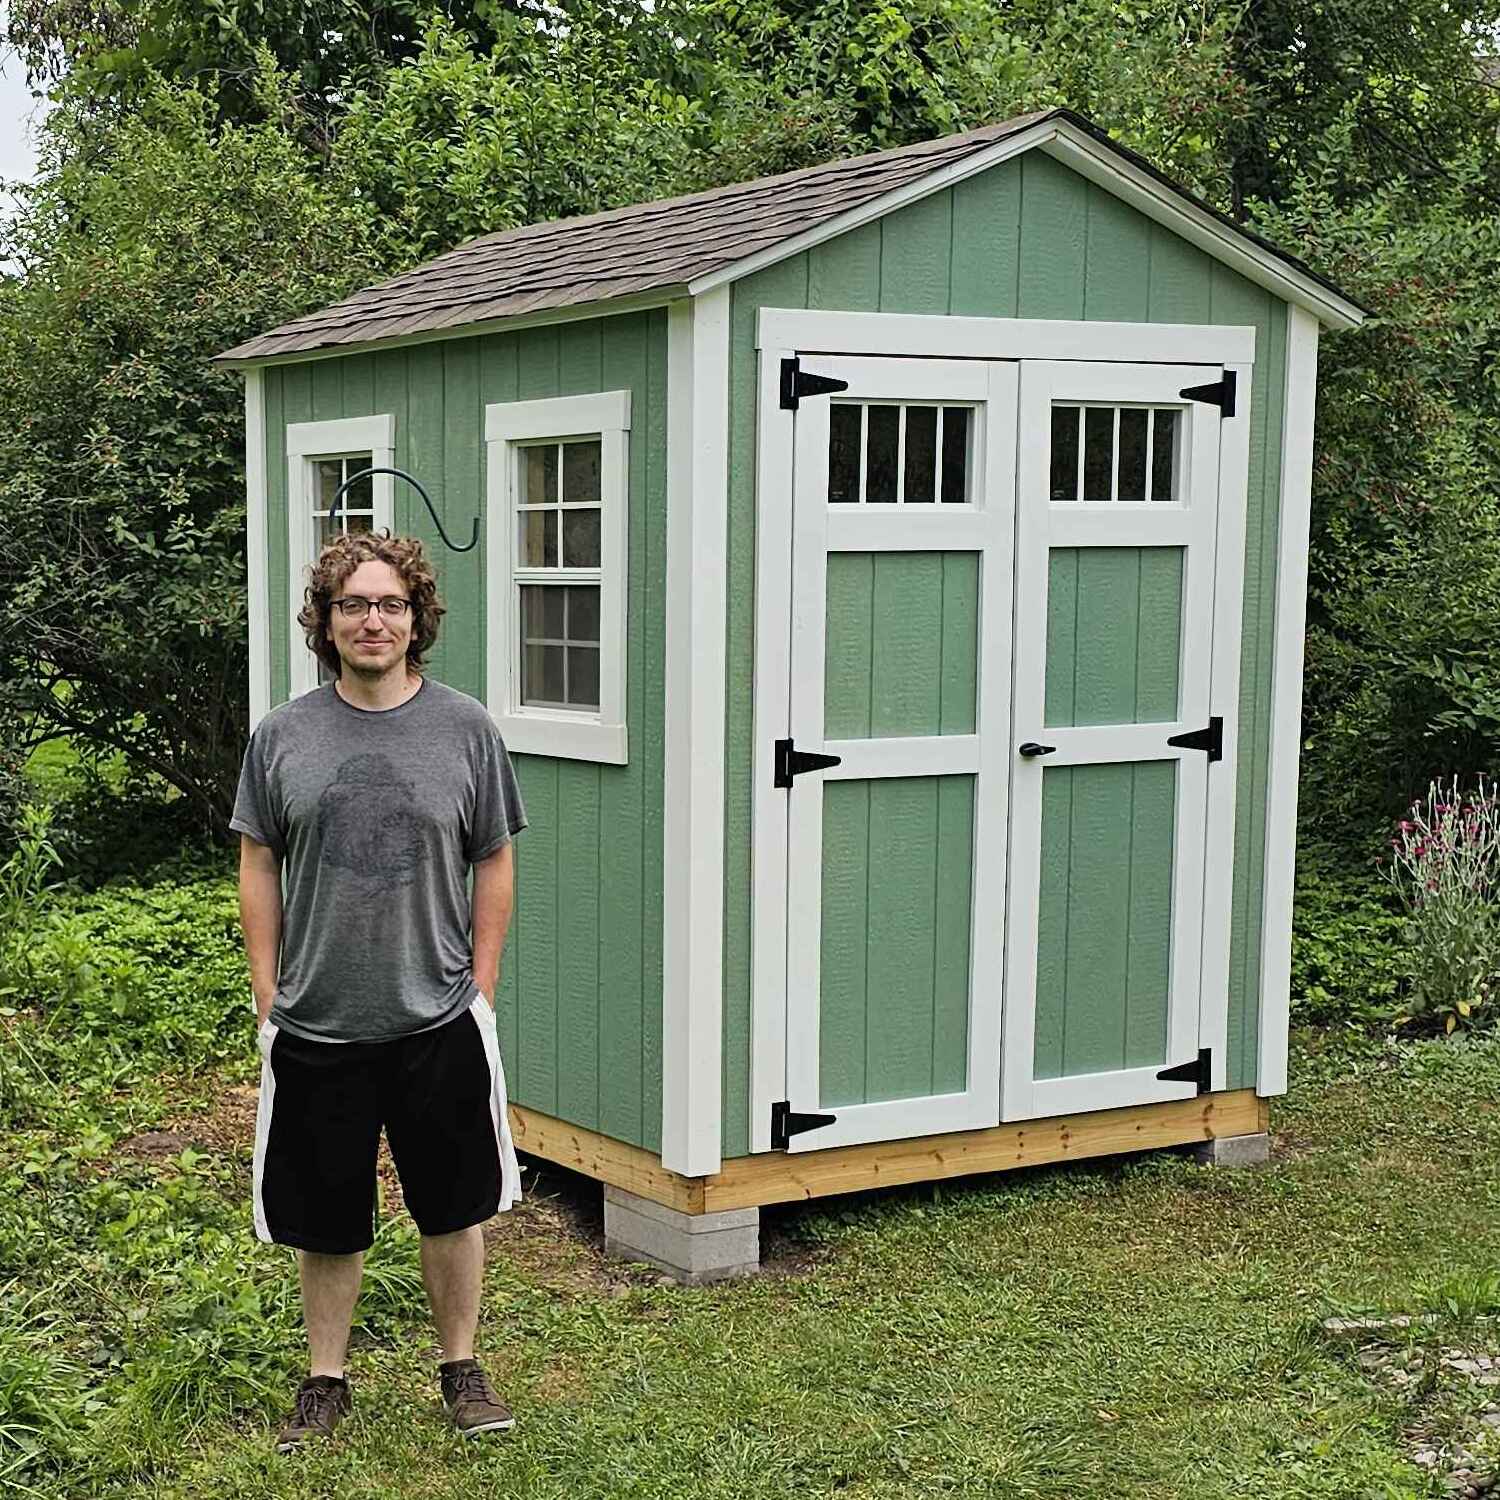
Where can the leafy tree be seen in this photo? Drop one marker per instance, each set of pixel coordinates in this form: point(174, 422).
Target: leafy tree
point(122, 571)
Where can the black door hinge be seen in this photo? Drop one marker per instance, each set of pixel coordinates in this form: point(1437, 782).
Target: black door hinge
point(1220, 393)
point(1210, 739)
point(795, 385)
point(1199, 1071)
point(790, 762)
point(785, 1124)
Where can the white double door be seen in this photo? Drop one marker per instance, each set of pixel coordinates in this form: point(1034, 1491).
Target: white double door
point(994, 891)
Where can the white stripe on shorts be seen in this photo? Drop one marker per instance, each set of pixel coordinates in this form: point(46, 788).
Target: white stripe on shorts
point(510, 1168)
point(264, 1038)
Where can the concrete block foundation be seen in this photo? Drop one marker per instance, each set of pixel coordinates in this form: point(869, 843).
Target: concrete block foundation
point(1235, 1150)
point(692, 1248)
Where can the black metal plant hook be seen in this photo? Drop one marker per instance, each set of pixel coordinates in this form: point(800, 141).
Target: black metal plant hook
point(338, 494)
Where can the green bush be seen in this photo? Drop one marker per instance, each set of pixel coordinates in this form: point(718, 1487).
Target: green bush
point(1348, 956)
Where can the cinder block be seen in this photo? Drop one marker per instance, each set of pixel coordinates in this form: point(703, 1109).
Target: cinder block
point(1235, 1150)
point(692, 1248)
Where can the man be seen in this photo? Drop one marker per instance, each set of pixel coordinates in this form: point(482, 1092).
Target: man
point(379, 791)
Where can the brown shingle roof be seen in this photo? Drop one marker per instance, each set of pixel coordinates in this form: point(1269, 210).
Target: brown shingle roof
point(643, 248)
point(657, 247)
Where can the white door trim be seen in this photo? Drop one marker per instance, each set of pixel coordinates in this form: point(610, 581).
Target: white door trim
point(935, 336)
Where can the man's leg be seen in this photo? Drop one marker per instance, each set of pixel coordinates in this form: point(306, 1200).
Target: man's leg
point(330, 1288)
point(453, 1273)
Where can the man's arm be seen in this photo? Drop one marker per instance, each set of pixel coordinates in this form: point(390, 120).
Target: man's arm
point(494, 899)
point(260, 917)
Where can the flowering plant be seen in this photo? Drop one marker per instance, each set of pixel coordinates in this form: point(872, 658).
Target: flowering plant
point(1446, 870)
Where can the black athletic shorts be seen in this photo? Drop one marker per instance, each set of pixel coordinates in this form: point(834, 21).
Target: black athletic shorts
point(440, 1094)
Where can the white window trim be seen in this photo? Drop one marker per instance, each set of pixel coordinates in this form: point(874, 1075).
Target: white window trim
point(565, 733)
point(305, 443)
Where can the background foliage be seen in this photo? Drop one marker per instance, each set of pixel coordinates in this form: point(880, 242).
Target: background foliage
point(210, 171)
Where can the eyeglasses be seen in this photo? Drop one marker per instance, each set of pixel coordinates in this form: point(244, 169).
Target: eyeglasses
point(354, 607)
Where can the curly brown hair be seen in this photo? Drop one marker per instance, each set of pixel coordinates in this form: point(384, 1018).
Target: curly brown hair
point(339, 559)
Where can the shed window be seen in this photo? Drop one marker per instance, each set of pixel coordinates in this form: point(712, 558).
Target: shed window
point(1115, 453)
point(320, 457)
point(890, 453)
point(558, 499)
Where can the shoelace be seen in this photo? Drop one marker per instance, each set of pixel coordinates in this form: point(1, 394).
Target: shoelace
point(311, 1403)
point(471, 1383)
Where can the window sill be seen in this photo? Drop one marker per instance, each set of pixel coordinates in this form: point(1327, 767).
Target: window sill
point(564, 736)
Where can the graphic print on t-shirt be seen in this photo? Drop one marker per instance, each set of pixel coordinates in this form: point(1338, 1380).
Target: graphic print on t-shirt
point(370, 822)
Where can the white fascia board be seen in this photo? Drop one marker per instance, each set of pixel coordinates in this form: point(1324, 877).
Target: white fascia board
point(693, 760)
point(556, 416)
point(257, 547)
point(938, 336)
point(1095, 161)
point(607, 307)
point(1286, 699)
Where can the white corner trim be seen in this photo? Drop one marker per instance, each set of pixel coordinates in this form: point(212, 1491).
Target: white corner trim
point(1286, 698)
point(558, 417)
point(257, 547)
point(693, 808)
point(937, 336)
point(305, 441)
point(1096, 161)
point(559, 733)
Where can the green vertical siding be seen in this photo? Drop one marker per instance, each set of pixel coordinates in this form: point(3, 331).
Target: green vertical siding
point(1114, 631)
point(580, 995)
point(901, 643)
point(1026, 239)
point(894, 984)
point(1104, 930)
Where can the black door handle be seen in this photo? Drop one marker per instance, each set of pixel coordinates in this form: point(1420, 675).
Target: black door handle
point(1031, 748)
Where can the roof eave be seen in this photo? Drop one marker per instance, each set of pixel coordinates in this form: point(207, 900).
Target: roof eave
point(602, 307)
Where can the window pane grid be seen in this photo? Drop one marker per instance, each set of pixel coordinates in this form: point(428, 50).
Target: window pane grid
point(898, 453)
point(1115, 454)
point(558, 573)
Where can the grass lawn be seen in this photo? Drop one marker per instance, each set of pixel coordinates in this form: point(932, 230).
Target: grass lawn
point(1139, 1327)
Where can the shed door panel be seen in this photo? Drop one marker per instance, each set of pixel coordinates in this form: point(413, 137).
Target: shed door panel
point(901, 601)
point(1116, 614)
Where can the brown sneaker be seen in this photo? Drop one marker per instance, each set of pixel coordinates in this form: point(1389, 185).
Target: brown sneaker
point(321, 1401)
point(470, 1399)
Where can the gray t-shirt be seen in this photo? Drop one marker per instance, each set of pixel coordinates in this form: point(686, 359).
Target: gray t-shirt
point(377, 815)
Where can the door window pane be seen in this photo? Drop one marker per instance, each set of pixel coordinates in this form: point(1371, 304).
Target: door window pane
point(955, 455)
point(1134, 421)
point(1166, 427)
point(880, 454)
point(843, 453)
point(919, 482)
point(1064, 483)
point(1098, 452)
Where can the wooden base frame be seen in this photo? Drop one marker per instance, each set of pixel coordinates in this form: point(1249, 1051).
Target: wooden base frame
point(778, 1177)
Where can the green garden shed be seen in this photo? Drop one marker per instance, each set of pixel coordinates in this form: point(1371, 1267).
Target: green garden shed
point(891, 592)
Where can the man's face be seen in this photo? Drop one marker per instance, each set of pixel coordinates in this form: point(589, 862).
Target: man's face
point(371, 644)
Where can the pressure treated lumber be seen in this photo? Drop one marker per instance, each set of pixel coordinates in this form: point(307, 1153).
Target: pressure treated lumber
point(778, 1177)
